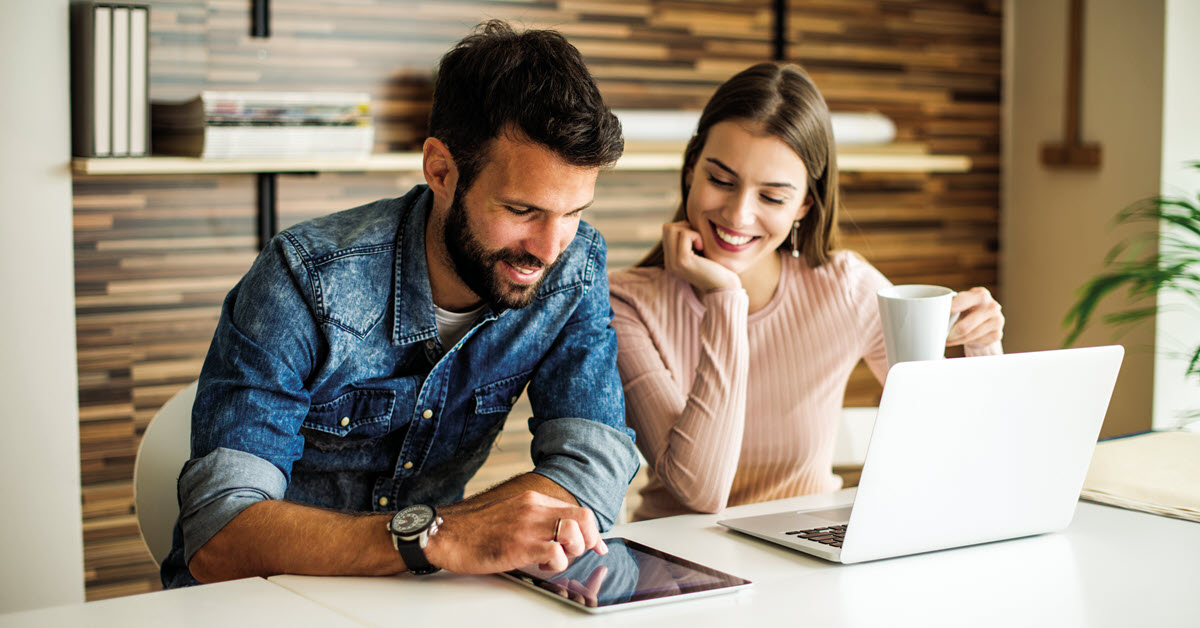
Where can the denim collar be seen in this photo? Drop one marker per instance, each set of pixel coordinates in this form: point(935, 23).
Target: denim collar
point(412, 297)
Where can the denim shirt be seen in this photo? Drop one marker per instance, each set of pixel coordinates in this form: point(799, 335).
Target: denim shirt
point(326, 381)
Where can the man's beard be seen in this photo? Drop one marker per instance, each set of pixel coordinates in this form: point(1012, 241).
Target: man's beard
point(478, 266)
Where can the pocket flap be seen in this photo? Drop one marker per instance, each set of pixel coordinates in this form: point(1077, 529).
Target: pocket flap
point(357, 414)
point(501, 395)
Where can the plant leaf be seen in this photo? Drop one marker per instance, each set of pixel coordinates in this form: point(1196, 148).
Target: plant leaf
point(1194, 365)
point(1126, 317)
point(1144, 263)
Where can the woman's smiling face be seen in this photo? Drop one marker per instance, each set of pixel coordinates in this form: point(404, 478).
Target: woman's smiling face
point(745, 191)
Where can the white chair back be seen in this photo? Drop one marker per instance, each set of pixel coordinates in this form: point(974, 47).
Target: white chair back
point(165, 446)
point(854, 434)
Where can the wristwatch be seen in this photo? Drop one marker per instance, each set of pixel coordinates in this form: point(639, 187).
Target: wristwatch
point(411, 529)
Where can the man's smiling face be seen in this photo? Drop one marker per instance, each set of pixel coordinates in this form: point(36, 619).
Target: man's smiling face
point(505, 233)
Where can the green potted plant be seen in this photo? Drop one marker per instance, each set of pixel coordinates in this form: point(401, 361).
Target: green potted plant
point(1146, 263)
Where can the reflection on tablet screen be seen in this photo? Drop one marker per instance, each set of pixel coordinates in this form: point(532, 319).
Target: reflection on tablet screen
point(630, 572)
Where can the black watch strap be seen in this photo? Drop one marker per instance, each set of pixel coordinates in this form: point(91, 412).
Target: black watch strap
point(414, 557)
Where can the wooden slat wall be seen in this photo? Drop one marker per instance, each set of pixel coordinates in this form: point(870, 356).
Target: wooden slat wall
point(155, 255)
point(934, 68)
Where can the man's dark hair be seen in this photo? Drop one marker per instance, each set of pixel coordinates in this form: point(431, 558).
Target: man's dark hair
point(535, 83)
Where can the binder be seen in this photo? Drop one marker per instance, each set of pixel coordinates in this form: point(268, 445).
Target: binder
point(139, 70)
point(91, 80)
point(120, 81)
point(110, 69)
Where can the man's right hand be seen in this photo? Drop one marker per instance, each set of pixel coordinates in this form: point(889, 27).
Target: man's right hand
point(513, 532)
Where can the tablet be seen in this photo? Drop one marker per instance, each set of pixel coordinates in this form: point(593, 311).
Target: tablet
point(629, 576)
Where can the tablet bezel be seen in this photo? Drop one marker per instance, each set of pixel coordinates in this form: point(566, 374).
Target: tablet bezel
point(729, 583)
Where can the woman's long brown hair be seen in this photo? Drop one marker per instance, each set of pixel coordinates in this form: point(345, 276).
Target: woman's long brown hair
point(782, 100)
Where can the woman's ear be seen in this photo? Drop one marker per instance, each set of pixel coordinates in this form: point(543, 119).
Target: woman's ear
point(439, 170)
point(804, 207)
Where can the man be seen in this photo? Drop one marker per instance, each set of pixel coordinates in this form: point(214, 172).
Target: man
point(366, 362)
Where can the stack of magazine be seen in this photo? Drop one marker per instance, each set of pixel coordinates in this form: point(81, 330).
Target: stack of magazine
point(253, 124)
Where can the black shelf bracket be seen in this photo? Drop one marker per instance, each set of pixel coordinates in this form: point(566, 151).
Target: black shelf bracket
point(260, 18)
point(779, 31)
point(268, 207)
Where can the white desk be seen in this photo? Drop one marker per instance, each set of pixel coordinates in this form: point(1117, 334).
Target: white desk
point(249, 602)
point(1112, 567)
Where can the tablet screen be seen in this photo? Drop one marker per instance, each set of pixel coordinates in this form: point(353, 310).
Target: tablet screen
point(629, 572)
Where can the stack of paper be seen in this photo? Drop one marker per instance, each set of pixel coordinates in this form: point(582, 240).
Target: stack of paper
point(1158, 472)
point(246, 124)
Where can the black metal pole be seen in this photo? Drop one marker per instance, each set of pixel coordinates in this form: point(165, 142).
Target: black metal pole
point(260, 18)
point(268, 211)
point(779, 36)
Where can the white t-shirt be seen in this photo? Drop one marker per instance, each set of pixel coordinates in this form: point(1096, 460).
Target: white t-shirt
point(452, 326)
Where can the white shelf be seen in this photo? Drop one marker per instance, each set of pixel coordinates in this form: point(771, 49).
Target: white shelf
point(858, 160)
point(887, 162)
point(383, 162)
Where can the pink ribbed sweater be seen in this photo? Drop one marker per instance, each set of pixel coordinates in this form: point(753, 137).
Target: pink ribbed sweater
point(734, 408)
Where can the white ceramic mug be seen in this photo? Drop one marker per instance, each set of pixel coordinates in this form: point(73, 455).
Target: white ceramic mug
point(916, 320)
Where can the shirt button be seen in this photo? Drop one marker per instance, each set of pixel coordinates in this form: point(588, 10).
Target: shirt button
point(429, 344)
point(408, 465)
point(427, 414)
point(345, 421)
point(513, 400)
point(383, 501)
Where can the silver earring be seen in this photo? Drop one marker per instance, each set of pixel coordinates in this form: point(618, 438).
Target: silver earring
point(796, 239)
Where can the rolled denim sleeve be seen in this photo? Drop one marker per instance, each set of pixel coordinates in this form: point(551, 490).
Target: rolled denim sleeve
point(592, 461)
point(251, 399)
point(591, 455)
point(215, 488)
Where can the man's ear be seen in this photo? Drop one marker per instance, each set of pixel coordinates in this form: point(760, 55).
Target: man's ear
point(440, 171)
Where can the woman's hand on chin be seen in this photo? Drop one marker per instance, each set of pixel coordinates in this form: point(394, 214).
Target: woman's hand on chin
point(682, 247)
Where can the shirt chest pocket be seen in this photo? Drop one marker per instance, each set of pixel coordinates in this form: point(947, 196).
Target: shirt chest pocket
point(492, 405)
point(350, 419)
point(500, 396)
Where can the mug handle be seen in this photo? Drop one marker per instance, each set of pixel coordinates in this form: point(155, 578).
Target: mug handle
point(953, 316)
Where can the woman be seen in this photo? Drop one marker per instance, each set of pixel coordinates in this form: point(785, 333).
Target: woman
point(737, 334)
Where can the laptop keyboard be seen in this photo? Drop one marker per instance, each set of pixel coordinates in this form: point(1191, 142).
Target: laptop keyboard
point(830, 535)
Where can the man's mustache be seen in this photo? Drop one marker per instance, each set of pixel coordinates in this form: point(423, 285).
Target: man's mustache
point(522, 259)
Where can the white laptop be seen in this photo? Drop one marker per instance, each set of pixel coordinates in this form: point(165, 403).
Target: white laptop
point(964, 451)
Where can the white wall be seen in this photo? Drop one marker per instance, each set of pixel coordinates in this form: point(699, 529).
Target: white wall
point(41, 544)
point(1056, 224)
point(1178, 328)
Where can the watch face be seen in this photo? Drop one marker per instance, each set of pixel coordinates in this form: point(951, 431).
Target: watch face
point(412, 519)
